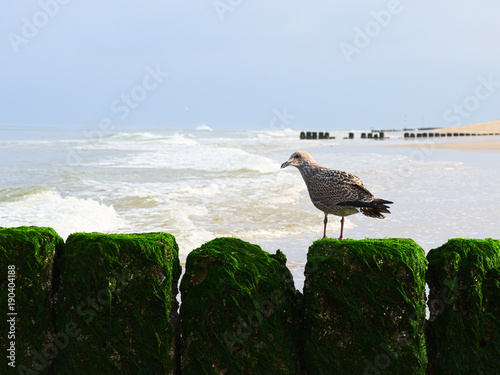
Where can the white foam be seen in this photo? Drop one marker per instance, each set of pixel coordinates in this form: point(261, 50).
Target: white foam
point(179, 156)
point(133, 141)
point(65, 214)
point(276, 133)
point(180, 139)
point(135, 136)
point(225, 183)
point(205, 190)
point(204, 127)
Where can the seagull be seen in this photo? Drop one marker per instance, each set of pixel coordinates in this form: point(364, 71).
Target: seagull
point(336, 192)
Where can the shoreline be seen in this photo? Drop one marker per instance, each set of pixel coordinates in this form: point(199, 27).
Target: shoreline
point(481, 142)
point(481, 128)
point(459, 144)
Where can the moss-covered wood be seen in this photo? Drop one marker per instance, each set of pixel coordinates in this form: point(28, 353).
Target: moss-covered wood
point(116, 297)
point(364, 304)
point(27, 254)
point(239, 311)
point(464, 302)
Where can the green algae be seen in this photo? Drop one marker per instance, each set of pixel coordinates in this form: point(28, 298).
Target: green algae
point(364, 306)
point(239, 311)
point(31, 251)
point(117, 296)
point(464, 302)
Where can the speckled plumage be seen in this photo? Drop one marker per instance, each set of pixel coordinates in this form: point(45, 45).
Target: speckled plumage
point(336, 192)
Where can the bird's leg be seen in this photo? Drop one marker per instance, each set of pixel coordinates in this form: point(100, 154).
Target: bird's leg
point(341, 229)
point(325, 221)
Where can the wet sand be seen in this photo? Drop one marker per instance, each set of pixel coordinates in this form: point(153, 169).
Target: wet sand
point(462, 143)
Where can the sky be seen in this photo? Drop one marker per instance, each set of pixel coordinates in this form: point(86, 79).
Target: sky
point(236, 64)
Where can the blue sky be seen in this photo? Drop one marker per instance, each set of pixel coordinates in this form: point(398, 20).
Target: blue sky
point(318, 65)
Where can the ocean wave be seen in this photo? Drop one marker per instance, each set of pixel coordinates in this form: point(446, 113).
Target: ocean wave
point(275, 133)
point(175, 138)
point(204, 127)
point(196, 158)
point(65, 214)
point(205, 190)
point(176, 215)
point(234, 159)
point(180, 139)
point(136, 142)
point(134, 136)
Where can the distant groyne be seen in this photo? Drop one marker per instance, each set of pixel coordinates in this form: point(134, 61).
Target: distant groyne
point(107, 303)
point(445, 134)
point(381, 134)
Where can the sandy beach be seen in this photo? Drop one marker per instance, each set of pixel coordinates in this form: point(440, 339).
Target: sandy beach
point(480, 128)
point(482, 142)
point(477, 145)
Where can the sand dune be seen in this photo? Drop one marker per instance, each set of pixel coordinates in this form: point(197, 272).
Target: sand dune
point(471, 146)
point(466, 143)
point(481, 128)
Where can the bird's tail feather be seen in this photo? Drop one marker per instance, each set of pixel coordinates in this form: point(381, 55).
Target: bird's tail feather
point(371, 209)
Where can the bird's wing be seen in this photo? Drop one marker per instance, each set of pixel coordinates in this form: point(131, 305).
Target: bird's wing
point(335, 187)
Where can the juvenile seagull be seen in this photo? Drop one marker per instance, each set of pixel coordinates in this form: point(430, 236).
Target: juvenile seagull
point(336, 192)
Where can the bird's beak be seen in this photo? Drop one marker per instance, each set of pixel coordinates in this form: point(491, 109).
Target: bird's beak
point(285, 164)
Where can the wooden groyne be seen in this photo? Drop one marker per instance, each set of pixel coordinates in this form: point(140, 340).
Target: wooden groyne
point(107, 303)
point(326, 135)
point(447, 134)
point(380, 135)
point(315, 135)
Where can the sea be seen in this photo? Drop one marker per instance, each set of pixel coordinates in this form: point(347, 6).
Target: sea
point(202, 183)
